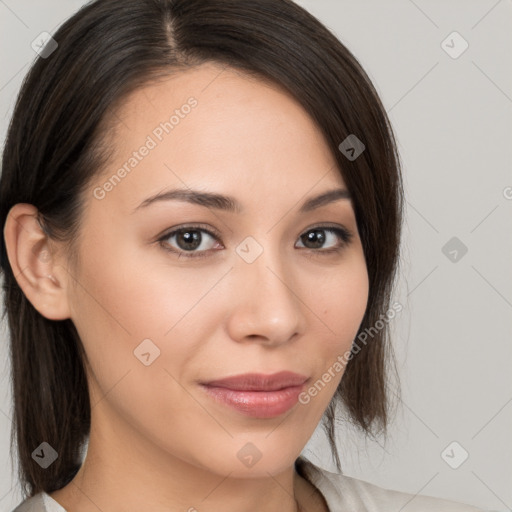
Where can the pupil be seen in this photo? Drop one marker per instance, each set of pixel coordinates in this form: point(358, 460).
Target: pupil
point(316, 236)
point(190, 237)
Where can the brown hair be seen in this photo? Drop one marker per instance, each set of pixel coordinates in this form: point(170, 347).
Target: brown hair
point(107, 50)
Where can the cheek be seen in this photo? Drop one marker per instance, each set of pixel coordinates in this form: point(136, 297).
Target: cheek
point(125, 308)
point(125, 297)
point(343, 297)
point(134, 289)
point(340, 303)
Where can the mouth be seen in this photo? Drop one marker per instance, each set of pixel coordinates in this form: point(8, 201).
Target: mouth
point(257, 395)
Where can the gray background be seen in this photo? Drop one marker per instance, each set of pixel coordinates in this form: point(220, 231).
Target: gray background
point(452, 118)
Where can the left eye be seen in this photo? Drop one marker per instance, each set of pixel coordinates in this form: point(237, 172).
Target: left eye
point(316, 236)
point(189, 239)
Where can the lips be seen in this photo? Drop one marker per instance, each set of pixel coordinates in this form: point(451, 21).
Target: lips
point(257, 395)
point(259, 381)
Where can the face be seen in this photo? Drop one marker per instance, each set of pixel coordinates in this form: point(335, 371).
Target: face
point(260, 288)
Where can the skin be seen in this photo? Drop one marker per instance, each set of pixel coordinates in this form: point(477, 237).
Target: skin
point(158, 442)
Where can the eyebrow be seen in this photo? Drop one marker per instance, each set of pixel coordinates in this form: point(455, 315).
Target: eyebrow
point(230, 204)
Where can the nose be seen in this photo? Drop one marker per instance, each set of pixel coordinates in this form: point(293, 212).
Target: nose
point(268, 307)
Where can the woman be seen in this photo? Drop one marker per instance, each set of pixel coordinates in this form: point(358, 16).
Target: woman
point(201, 203)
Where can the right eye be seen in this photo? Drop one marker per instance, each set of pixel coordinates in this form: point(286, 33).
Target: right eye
point(188, 240)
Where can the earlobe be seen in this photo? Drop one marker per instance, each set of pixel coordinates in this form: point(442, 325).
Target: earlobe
point(34, 265)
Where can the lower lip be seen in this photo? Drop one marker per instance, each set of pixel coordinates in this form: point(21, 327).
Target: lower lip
point(257, 404)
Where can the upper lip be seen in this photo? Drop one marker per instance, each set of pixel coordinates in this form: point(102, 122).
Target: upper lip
point(259, 381)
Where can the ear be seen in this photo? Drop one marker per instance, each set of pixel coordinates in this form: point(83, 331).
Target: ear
point(32, 257)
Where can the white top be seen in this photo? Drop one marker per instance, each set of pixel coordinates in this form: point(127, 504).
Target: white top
point(342, 494)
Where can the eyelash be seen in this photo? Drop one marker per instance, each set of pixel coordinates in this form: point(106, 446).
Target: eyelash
point(343, 234)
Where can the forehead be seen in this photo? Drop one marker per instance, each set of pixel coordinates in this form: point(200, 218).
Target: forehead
point(219, 129)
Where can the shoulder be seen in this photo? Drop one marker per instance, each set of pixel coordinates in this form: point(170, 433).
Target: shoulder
point(343, 492)
point(40, 502)
point(34, 504)
point(380, 499)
